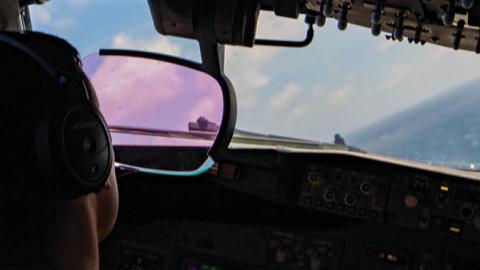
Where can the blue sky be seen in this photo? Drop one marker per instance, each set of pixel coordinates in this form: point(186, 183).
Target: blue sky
point(343, 82)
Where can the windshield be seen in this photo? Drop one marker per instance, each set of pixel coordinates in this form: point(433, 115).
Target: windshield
point(347, 90)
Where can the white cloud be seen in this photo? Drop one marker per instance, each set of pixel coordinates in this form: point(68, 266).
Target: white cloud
point(317, 112)
point(282, 102)
point(409, 81)
point(271, 26)
point(78, 3)
point(384, 45)
point(320, 112)
point(41, 15)
point(156, 43)
point(64, 22)
point(44, 16)
point(435, 72)
point(397, 75)
point(249, 69)
point(332, 99)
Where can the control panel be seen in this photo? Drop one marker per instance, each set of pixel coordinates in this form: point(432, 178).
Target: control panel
point(288, 250)
point(301, 212)
point(450, 23)
point(429, 202)
point(141, 257)
point(457, 261)
point(447, 206)
point(203, 246)
point(215, 246)
point(351, 193)
point(398, 258)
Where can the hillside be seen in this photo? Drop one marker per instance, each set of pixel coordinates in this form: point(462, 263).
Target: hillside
point(444, 130)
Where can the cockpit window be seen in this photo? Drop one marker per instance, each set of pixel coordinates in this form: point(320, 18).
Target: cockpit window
point(397, 99)
point(348, 91)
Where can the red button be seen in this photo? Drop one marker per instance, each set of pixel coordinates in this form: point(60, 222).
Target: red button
point(411, 201)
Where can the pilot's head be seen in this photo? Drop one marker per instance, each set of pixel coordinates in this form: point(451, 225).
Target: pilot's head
point(58, 192)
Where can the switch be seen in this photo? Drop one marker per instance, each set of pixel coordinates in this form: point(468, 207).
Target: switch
point(476, 223)
point(377, 13)
point(466, 212)
point(424, 266)
point(313, 177)
point(329, 196)
point(477, 47)
point(458, 34)
point(349, 199)
point(449, 14)
point(467, 4)
point(398, 27)
point(442, 197)
point(327, 8)
point(343, 18)
point(367, 188)
point(281, 254)
point(321, 19)
point(411, 201)
point(315, 262)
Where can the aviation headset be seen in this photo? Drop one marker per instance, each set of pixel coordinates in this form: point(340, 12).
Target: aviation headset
point(71, 144)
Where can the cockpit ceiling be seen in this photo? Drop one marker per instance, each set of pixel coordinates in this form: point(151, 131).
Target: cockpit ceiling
point(448, 23)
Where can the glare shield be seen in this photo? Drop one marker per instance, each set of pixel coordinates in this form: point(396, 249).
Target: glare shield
point(163, 117)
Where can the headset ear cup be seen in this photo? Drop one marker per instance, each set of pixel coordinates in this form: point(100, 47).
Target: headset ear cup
point(86, 146)
point(70, 141)
point(73, 151)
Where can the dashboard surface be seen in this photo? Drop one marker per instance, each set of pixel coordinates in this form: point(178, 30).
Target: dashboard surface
point(274, 209)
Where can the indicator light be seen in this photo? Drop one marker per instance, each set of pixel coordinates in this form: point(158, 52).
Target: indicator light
point(411, 201)
point(392, 258)
point(444, 188)
point(455, 229)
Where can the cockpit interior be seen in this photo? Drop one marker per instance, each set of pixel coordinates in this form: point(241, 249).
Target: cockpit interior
point(283, 134)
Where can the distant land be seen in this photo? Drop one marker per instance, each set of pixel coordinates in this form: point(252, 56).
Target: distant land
point(444, 130)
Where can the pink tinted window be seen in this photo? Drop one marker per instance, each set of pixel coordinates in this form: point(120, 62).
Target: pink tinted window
point(153, 103)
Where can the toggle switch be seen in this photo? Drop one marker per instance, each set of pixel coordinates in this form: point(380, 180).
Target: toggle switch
point(449, 14)
point(343, 18)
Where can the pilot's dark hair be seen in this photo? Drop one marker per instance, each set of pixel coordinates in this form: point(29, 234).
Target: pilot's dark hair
point(26, 217)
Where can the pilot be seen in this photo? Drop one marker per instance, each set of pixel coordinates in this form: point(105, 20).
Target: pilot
point(9, 15)
point(43, 227)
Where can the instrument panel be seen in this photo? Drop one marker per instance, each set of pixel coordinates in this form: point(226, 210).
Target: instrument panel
point(199, 245)
point(411, 195)
point(450, 23)
point(350, 193)
point(436, 204)
point(307, 211)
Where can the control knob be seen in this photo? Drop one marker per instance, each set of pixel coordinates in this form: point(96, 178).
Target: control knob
point(315, 262)
point(281, 254)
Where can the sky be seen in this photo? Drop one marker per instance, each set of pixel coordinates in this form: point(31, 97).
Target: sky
point(343, 82)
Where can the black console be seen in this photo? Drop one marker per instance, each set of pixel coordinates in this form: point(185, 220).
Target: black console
point(306, 211)
point(426, 201)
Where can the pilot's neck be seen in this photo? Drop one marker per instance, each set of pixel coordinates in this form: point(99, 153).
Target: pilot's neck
point(75, 244)
point(10, 15)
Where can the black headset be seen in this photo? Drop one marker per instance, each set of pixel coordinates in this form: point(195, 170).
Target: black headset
point(71, 142)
